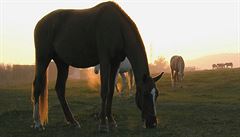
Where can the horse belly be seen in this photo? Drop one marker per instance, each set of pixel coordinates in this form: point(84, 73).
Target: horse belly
point(77, 52)
point(74, 38)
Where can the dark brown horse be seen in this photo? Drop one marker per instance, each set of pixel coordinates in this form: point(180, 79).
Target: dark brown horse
point(103, 35)
point(229, 64)
point(214, 66)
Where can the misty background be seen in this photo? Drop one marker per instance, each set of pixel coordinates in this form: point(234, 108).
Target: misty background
point(24, 74)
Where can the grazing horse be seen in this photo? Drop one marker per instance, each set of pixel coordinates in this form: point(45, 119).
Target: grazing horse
point(220, 65)
point(214, 66)
point(177, 69)
point(124, 67)
point(230, 64)
point(103, 35)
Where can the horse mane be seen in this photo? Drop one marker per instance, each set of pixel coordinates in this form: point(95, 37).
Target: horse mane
point(130, 26)
point(114, 6)
point(129, 21)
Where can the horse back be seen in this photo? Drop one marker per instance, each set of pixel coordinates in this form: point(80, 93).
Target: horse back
point(80, 37)
point(177, 63)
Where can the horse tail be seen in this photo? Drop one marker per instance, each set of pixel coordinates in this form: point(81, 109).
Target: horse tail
point(43, 102)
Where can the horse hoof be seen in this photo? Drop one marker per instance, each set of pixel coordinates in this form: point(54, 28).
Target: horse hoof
point(77, 126)
point(103, 129)
point(74, 124)
point(38, 127)
point(112, 124)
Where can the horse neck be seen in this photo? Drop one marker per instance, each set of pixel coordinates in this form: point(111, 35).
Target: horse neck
point(138, 60)
point(135, 50)
point(180, 67)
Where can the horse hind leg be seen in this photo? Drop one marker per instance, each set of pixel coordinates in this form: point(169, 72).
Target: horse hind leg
point(177, 81)
point(124, 83)
point(130, 74)
point(40, 93)
point(60, 88)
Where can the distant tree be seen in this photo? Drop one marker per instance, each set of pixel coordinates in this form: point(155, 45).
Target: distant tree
point(16, 74)
point(159, 65)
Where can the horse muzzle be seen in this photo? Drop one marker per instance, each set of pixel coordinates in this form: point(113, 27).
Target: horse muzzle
point(151, 122)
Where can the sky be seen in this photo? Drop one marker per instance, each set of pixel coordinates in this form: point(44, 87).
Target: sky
point(190, 28)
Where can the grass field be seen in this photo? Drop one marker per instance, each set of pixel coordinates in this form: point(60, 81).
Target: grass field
point(207, 106)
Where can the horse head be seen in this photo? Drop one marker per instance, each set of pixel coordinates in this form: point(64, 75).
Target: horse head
point(146, 98)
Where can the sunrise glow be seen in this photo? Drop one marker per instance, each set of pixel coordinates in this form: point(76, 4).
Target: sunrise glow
point(188, 28)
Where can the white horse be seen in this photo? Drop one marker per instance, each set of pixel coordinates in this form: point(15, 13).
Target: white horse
point(124, 67)
point(177, 69)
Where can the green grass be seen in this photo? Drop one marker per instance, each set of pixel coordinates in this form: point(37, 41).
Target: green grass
point(208, 105)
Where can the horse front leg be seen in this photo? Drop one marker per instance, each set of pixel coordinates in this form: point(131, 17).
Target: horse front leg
point(114, 70)
point(173, 78)
point(60, 89)
point(105, 71)
point(177, 81)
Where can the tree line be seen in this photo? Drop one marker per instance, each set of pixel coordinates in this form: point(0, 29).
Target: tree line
point(24, 74)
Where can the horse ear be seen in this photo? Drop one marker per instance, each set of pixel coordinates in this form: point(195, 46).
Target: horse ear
point(158, 77)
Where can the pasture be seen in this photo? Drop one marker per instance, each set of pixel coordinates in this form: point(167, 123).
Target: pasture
point(208, 105)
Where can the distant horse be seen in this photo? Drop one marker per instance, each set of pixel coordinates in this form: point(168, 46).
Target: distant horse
point(103, 35)
point(230, 64)
point(124, 67)
point(220, 65)
point(214, 66)
point(177, 69)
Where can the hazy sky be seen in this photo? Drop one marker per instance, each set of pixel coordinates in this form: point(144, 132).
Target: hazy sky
point(191, 28)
